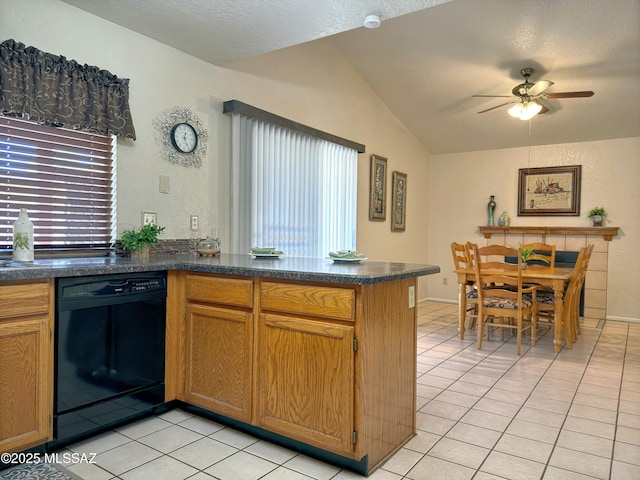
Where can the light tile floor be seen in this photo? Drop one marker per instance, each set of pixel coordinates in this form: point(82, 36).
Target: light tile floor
point(482, 414)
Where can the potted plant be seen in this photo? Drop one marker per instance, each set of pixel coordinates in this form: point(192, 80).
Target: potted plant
point(527, 254)
point(597, 215)
point(137, 242)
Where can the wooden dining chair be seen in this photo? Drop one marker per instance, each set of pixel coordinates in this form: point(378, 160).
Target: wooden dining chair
point(543, 250)
point(462, 259)
point(571, 310)
point(501, 294)
point(548, 252)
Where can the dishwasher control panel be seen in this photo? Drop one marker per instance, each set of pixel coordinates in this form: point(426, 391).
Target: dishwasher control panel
point(115, 288)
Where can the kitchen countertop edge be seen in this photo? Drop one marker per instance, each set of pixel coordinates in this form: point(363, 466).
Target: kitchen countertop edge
point(285, 268)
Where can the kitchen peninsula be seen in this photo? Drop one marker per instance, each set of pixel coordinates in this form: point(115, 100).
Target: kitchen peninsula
point(316, 355)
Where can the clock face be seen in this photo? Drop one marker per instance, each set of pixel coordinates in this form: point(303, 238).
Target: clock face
point(184, 138)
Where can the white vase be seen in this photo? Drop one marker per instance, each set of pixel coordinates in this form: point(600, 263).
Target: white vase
point(23, 238)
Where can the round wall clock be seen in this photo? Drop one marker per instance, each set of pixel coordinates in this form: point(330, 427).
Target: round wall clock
point(183, 139)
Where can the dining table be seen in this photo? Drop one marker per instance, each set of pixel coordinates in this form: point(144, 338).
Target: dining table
point(554, 277)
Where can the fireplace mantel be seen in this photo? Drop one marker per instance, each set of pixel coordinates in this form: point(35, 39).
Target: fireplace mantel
point(607, 232)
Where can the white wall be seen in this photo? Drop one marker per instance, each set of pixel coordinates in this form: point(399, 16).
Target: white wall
point(462, 183)
point(310, 84)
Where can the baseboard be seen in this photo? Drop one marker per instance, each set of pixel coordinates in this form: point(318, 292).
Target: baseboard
point(439, 300)
point(623, 319)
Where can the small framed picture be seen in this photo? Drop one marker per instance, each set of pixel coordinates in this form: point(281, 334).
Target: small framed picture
point(549, 191)
point(399, 202)
point(378, 188)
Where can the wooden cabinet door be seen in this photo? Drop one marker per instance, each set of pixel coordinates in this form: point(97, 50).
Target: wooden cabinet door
point(306, 381)
point(219, 344)
point(25, 383)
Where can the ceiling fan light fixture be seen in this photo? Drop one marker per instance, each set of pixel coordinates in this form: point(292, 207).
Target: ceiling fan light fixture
point(516, 110)
point(525, 110)
point(372, 21)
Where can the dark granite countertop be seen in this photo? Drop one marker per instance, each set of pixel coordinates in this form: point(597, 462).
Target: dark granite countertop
point(289, 268)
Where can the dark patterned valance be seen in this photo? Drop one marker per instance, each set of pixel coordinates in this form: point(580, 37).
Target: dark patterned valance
point(53, 90)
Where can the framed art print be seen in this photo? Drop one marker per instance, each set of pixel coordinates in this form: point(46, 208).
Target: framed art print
point(549, 191)
point(378, 188)
point(399, 202)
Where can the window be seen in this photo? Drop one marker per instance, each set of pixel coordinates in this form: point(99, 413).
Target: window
point(64, 178)
point(291, 191)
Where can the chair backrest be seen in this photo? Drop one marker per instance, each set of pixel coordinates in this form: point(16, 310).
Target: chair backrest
point(494, 256)
point(580, 270)
point(543, 250)
point(460, 256)
point(490, 258)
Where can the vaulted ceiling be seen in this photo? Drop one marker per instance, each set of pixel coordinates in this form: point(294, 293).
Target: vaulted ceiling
point(429, 57)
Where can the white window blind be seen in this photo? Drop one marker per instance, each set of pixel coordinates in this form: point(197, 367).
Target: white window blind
point(64, 178)
point(291, 191)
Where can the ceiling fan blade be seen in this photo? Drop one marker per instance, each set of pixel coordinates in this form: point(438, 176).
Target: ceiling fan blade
point(497, 106)
point(569, 94)
point(545, 109)
point(539, 87)
point(493, 96)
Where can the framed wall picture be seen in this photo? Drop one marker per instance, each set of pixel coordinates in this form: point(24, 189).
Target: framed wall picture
point(549, 191)
point(378, 188)
point(399, 202)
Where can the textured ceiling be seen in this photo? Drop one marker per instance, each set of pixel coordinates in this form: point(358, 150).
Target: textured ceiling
point(221, 31)
point(426, 63)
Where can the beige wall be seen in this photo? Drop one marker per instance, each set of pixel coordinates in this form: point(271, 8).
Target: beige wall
point(310, 84)
point(461, 185)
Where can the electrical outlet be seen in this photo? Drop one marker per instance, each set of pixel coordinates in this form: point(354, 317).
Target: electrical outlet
point(194, 222)
point(149, 217)
point(412, 296)
point(445, 281)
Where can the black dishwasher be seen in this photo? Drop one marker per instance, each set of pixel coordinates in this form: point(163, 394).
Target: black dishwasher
point(109, 351)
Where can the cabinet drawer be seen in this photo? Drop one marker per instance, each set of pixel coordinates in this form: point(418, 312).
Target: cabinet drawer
point(226, 291)
point(24, 299)
point(326, 302)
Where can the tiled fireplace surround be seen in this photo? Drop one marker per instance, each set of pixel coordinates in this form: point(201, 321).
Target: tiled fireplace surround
point(595, 289)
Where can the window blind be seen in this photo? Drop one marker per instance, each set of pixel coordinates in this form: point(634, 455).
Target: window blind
point(64, 178)
point(291, 191)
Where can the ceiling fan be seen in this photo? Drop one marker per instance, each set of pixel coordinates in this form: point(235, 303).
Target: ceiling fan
point(527, 98)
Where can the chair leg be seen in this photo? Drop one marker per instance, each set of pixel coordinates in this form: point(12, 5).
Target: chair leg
point(488, 322)
point(480, 327)
point(519, 335)
point(534, 329)
point(473, 316)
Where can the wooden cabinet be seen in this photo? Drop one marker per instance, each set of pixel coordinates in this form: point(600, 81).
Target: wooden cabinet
point(219, 345)
point(306, 381)
point(328, 365)
point(26, 360)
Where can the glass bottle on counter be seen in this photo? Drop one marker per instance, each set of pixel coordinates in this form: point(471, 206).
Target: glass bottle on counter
point(23, 238)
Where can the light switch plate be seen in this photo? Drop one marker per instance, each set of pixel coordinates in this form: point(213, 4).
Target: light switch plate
point(194, 223)
point(164, 184)
point(412, 296)
point(149, 217)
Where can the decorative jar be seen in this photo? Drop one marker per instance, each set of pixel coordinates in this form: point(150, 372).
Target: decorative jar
point(504, 220)
point(208, 247)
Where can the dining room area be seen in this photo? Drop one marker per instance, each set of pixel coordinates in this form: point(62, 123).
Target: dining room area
point(545, 281)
